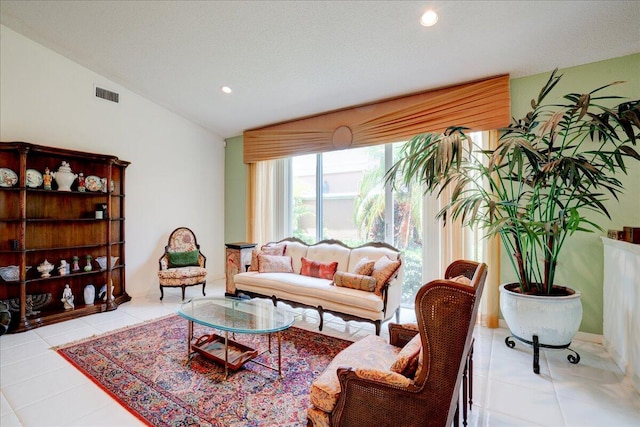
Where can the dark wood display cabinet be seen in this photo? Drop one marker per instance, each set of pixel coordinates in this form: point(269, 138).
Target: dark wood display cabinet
point(58, 224)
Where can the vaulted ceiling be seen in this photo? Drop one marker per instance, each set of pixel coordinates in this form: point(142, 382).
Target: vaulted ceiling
point(288, 59)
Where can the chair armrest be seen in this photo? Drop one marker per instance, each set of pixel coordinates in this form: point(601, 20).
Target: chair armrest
point(401, 334)
point(163, 262)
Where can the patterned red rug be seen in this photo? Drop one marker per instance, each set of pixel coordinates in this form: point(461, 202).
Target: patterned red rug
point(143, 368)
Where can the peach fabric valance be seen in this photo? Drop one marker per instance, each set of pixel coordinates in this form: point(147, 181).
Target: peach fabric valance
point(479, 105)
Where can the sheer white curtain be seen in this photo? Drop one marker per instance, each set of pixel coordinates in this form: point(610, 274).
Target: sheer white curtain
point(445, 244)
point(268, 201)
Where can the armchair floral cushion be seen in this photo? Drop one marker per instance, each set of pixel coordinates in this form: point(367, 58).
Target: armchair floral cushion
point(371, 353)
point(182, 263)
point(407, 361)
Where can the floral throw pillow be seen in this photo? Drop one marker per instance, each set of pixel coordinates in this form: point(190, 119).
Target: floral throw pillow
point(267, 250)
point(354, 281)
point(364, 267)
point(274, 264)
point(383, 271)
point(406, 362)
point(322, 270)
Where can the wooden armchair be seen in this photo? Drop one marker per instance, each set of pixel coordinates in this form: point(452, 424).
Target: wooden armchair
point(182, 263)
point(369, 395)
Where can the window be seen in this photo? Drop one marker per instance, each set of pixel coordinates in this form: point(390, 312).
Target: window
point(341, 195)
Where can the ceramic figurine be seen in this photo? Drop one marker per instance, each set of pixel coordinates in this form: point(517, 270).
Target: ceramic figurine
point(45, 268)
point(63, 270)
point(64, 177)
point(88, 266)
point(81, 186)
point(103, 293)
point(46, 179)
point(67, 298)
point(76, 264)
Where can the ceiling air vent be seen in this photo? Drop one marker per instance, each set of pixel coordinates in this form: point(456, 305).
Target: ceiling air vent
point(107, 94)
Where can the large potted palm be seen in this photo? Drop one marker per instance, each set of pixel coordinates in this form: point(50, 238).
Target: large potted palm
point(534, 189)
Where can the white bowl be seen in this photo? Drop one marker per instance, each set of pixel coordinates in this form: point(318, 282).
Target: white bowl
point(11, 273)
point(102, 261)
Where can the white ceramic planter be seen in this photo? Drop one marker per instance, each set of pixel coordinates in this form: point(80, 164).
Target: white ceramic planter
point(554, 319)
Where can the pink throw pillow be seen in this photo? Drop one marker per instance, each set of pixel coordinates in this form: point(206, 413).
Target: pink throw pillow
point(274, 264)
point(322, 270)
point(267, 250)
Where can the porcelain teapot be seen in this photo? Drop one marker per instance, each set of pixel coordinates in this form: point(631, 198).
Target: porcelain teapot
point(45, 268)
point(64, 177)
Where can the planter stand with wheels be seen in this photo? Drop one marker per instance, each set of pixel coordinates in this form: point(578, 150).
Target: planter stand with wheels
point(536, 350)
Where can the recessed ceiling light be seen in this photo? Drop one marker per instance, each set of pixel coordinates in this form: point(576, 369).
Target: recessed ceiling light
point(225, 89)
point(429, 18)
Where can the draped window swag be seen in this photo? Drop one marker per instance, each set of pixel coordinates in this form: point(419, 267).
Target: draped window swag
point(478, 105)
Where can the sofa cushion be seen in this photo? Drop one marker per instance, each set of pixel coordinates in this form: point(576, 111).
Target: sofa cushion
point(354, 281)
point(371, 352)
point(383, 270)
point(313, 291)
point(274, 264)
point(364, 267)
point(407, 361)
point(330, 252)
point(323, 270)
point(296, 251)
point(182, 276)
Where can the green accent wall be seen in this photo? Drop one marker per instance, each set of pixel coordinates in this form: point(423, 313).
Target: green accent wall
point(235, 189)
point(581, 266)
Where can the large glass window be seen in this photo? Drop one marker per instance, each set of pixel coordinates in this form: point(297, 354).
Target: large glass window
point(341, 195)
point(303, 205)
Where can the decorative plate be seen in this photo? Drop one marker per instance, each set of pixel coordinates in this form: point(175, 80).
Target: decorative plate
point(34, 178)
point(93, 183)
point(8, 178)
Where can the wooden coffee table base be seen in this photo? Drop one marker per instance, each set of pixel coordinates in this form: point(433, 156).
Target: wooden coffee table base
point(227, 352)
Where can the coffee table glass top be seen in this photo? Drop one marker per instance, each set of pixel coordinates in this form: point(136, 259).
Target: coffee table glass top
point(237, 315)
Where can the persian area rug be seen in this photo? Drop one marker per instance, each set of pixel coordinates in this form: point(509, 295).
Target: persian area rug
point(143, 367)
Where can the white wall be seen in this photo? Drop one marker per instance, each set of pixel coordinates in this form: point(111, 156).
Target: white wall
point(176, 176)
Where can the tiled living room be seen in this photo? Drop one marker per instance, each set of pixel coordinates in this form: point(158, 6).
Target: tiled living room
point(592, 393)
point(257, 121)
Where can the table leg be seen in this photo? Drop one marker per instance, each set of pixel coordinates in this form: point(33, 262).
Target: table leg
point(189, 338)
point(279, 354)
point(226, 354)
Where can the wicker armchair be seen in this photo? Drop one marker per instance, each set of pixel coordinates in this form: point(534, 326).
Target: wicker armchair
point(446, 313)
point(182, 263)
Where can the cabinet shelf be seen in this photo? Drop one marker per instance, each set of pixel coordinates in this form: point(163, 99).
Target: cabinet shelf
point(58, 225)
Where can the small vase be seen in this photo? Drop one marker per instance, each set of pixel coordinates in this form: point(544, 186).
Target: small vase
point(89, 294)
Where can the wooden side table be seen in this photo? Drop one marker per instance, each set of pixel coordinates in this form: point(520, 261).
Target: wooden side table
point(237, 255)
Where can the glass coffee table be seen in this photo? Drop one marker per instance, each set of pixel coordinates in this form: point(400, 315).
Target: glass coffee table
point(238, 316)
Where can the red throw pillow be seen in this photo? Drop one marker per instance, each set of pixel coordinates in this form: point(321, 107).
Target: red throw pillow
point(322, 270)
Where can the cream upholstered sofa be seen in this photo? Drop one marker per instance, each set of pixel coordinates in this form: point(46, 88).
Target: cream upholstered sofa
point(351, 299)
